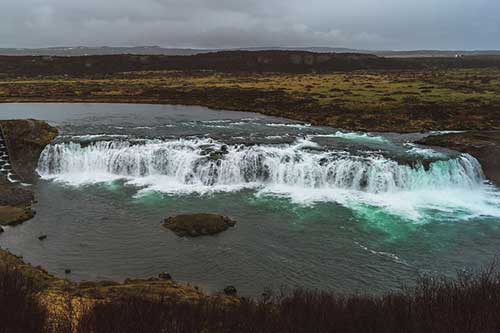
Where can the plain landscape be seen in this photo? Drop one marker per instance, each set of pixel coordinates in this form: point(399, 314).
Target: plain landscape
point(433, 122)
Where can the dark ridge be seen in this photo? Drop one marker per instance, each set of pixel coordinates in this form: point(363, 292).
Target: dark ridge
point(230, 61)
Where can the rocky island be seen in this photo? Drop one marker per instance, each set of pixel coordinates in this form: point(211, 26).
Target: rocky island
point(194, 225)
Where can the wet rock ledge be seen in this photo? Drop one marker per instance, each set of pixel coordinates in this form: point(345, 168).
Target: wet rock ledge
point(194, 225)
point(25, 140)
point(483, 145)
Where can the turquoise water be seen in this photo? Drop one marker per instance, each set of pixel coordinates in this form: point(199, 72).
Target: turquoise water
point(315, 207)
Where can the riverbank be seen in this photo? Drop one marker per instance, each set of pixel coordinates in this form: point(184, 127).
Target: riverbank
point(33, 300)
point(63, 301)
point(96, 290)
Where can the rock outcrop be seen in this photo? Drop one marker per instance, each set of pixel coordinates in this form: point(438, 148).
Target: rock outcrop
point(26, 140)
point(194, 225)
point(15, 203)
point(483, 145)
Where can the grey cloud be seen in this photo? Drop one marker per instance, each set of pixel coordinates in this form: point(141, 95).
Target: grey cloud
point(375, 24)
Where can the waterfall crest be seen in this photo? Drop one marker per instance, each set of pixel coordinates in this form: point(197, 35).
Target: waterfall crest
point(204, 162)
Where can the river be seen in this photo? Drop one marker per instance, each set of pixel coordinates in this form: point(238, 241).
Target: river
point(316, 207)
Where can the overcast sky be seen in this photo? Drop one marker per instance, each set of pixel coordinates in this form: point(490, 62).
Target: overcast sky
point(369, 24)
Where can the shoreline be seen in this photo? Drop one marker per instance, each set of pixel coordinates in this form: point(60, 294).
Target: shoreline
point(235, 109)
point(53, 287)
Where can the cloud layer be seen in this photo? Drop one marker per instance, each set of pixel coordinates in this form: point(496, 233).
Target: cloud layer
point(371, 24)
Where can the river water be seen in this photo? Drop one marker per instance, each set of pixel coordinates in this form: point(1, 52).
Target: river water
point(316, 207)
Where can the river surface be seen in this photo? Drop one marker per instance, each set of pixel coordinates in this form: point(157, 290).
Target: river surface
point(316, 207)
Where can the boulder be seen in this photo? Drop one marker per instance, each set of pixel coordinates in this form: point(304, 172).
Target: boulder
point(164, 276)
point(215, 154)
point(193, 225)
point(230, 291)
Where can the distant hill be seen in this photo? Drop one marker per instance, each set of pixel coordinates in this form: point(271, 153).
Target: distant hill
point(230, 61)
point(105, 50)
point(157, 50)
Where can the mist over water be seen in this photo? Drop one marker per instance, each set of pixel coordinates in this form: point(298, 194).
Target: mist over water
point(316, 207)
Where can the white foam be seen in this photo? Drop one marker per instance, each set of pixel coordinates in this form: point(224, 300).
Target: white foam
point(91, 137)
point(298, 171)
point(299, 126)
point(142, 127)
point(352, 136)
point(424, 152)
point(445, 132)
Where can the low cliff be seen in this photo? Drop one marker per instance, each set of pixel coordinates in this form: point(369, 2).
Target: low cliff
point(26, 139)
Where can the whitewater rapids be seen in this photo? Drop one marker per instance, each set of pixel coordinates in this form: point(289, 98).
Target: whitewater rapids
point(300, 171)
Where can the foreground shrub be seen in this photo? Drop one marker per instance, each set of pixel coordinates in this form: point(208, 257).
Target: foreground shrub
point(20, 310)
point(471, 303)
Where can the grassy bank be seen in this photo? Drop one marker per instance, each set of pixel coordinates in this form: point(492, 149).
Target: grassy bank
point(33, 301)
point(401, 101)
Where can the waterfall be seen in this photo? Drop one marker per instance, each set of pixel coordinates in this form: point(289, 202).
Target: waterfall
point(204, 162)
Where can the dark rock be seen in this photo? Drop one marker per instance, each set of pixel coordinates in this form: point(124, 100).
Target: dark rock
point(164, 276)
point(42, 237)
point(215, 154)
point(230, 291)
point(194, 225)
point(67, 271)
point(1, 230)
point(483, 145)
point(26, 139)
point(13, 195)
point(13, 215)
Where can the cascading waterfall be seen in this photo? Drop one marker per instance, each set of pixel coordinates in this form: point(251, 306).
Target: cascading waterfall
point(208, 163)
point(301, 171)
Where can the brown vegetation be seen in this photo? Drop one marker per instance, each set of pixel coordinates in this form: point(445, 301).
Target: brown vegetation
point(358, 92)
point(33, 301)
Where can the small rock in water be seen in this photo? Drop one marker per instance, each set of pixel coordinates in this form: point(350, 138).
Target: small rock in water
point(230, 291)
point(194, 225)
point(1, 230)
point(42, 237)
point(164, 276)
point(67, 271)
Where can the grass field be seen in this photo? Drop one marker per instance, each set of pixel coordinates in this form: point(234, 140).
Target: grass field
point(402, 101)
